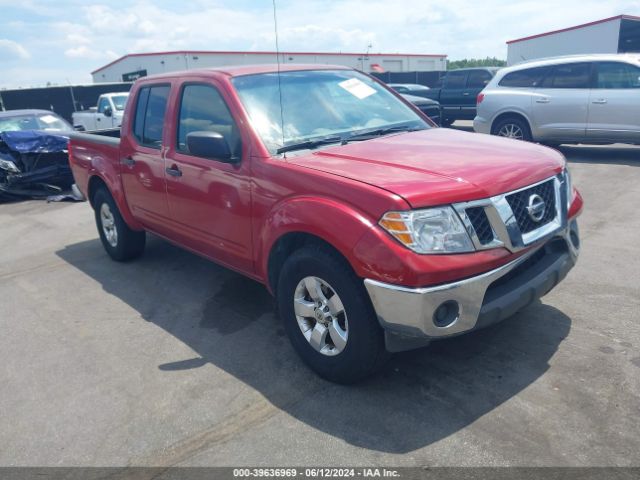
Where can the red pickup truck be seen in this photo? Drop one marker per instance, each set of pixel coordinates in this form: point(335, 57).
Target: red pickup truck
point(376, 231)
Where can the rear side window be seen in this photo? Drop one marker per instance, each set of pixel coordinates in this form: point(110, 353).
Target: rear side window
point(202, 108)
point(149, 119)
point(616, 75)
point(527, 78)
point(571, 75)
point(479, 78)
point(455, 80)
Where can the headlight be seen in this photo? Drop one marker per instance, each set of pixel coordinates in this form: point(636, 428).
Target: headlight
point(9, 166)
point(433, 230)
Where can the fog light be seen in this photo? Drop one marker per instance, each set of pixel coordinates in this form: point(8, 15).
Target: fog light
point(446, 313)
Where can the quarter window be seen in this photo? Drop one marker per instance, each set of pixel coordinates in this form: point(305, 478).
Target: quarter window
point(571, 75)
point(149, 120)
point(616, 75)
point(527, 78)
point(202, 108)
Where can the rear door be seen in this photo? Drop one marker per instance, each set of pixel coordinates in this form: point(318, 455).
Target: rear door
point(142, 163)
point(560, 106)
point(209, 200)
point(452, 94)
point(614, 107)
point(476, 81)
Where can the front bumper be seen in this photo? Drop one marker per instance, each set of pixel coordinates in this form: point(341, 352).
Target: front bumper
point(412, 317)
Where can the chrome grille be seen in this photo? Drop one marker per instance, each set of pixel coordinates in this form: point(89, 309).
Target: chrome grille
point(480, 222)
point(504, 221)
point(519, 202)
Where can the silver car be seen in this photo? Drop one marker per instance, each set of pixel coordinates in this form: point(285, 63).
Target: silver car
point(576, 99)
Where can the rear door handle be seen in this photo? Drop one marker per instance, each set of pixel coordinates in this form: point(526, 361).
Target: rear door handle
point(465, 94)
point(174, 171)
point(600, 101)
point(543, 100)
point(128, 161)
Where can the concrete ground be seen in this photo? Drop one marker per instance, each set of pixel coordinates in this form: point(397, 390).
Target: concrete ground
point(172, 360)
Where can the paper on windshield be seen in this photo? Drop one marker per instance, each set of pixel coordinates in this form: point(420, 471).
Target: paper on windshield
point(357, 88)
point(48, 119)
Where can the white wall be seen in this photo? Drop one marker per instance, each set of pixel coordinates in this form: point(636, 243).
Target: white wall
point(599, 38)
point(160, 63)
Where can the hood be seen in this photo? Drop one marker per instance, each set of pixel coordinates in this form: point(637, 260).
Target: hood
point(438, 166)
point(419, 100)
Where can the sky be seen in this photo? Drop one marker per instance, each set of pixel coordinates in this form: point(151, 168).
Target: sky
point(62, 41)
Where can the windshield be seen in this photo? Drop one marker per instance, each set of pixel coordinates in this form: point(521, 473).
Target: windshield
point(47, 122)
point(119, 101)
point(318, 104)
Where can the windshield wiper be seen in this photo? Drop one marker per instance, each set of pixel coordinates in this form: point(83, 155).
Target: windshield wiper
point(382, 131)
point(308, 144)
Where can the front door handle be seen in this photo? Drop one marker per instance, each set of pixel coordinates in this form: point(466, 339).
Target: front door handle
point(465, 94)
point(128, 161)
point(600, 101)
point(174, 171)
point(543, 100)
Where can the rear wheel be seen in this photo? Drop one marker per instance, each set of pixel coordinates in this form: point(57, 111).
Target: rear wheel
point(120, 242)
point(446, 122)
point(513, 127)
point(328, 316)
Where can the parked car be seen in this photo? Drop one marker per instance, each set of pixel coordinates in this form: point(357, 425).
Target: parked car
point(429, 107)
point(409, 88)
point(107, 114)
point(44, 120)
point(375, 231)
point(457, 95)
point(576, 99)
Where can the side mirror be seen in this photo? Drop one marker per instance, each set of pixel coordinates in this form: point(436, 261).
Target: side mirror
point(210, 145)
point(108, 112)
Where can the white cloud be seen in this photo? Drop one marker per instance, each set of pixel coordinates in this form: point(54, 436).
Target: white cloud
point(10, 50)
point(81, 36)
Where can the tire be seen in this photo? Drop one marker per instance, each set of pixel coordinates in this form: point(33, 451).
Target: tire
point(360, 351)
point(446, 122)
point(120, 242)
point(513, 127)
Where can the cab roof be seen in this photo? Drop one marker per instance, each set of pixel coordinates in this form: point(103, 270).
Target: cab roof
point(240, 70)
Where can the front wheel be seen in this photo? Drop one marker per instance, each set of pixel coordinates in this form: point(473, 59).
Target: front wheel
point(328, 316)
point(120, 242)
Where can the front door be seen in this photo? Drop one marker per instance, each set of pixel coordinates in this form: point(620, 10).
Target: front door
point(209, 199)
point(560, 105)
point(614, 106)
point(452, 94)
point(142, 163)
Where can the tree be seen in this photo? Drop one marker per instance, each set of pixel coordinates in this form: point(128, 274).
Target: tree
point(476, 62)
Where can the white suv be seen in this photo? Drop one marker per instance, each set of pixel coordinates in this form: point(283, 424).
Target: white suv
point(577, 99)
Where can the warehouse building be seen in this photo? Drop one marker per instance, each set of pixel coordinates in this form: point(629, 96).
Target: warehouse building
point(620, 34)
point(136, 65)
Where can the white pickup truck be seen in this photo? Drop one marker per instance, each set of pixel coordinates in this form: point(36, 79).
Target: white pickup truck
point(107, 114)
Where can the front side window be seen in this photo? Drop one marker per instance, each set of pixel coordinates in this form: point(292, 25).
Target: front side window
point(149, 120)
point(455, 80)
point(305, 105)
point(479, 79)
point(571, 75)
point(104, 103)
point(527, 78)
point(202, 108)
point(617, 75)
